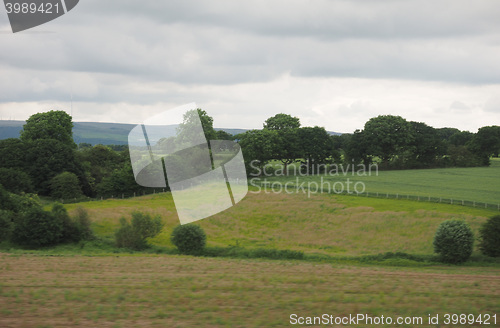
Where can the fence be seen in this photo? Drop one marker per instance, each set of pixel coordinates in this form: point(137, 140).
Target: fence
point(418, 198)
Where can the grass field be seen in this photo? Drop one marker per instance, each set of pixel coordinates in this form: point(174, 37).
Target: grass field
point(480, 184)
point(336, 225)
point(177, 291)
point(94, 284)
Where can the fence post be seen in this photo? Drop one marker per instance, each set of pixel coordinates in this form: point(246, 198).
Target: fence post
point(429, 198)
point(387, 195)
point(418, 198)
point(474, 204)
point(101, 197)
point(397, 196)
point(462, 202)
point(451, 201)
point(122, 196)
point(440, 199)
point(485, 205)
point(134, 193)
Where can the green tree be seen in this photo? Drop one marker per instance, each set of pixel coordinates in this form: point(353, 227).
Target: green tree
point(55, 125)
point(287, 145)
point(15, 181)
point(388, 136)
point(282, 122)
point(356, 148)
point(316, 146)
point(486, 143)
point(65, 186)
point(223, 135)
point(188, 126)
point(48, 158)
point(461, 138)
point(426, 146)
point(13, 154)
point(258, 148)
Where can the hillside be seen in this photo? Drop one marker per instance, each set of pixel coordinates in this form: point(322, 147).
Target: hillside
point(98, 133)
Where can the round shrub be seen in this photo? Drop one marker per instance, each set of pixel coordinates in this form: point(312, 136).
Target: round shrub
point(189, 238)
point(490, 237)
point(453, 241)
point(37, 228)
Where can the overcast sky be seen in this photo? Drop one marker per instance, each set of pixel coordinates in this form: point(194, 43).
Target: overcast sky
point(331, 63)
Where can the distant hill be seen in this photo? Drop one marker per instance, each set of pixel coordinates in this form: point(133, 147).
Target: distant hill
point(98, 133)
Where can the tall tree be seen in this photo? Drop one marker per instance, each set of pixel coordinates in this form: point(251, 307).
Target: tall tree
point(486, 143)
point(388, 136)
point(426, 146)
point(55, 125)
point(316, 146)
point(287, 148)
point(188, 126)
point(258, 148)
point(282, 122)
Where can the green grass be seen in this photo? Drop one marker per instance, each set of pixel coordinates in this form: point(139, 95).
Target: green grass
point(479, 184)
point(333, 225)
point(181, 291)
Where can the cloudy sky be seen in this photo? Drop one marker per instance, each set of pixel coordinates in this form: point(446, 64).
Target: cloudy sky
point(331, 63)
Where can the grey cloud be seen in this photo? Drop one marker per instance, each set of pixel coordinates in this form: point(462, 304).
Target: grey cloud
point(121, 43)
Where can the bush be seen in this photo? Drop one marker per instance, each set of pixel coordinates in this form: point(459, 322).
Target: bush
point(490, 237)
point(65, 186)
point(134, 236)
point(70, 231)
point(189, 239)
point(6, 224)
point(453, 241)
point(37, 228)
point(82, 221)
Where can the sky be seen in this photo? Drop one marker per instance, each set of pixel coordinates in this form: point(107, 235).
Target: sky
point(334, 64)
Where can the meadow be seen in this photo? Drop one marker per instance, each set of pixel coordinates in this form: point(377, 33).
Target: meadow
point(479, 184)
point(335, 225)
point(94, 284)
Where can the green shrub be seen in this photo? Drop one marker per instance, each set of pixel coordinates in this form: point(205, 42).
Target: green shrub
point(134, 235)
point(6, 224)
point(37, 228)
point(82, 221)
point(70, 231)
point(65, 186)
point(189, 239)
point(453, 241)
point(490, 237)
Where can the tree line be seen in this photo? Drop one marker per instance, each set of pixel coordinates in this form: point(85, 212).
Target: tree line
point(45, 160)
point(390, 141)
